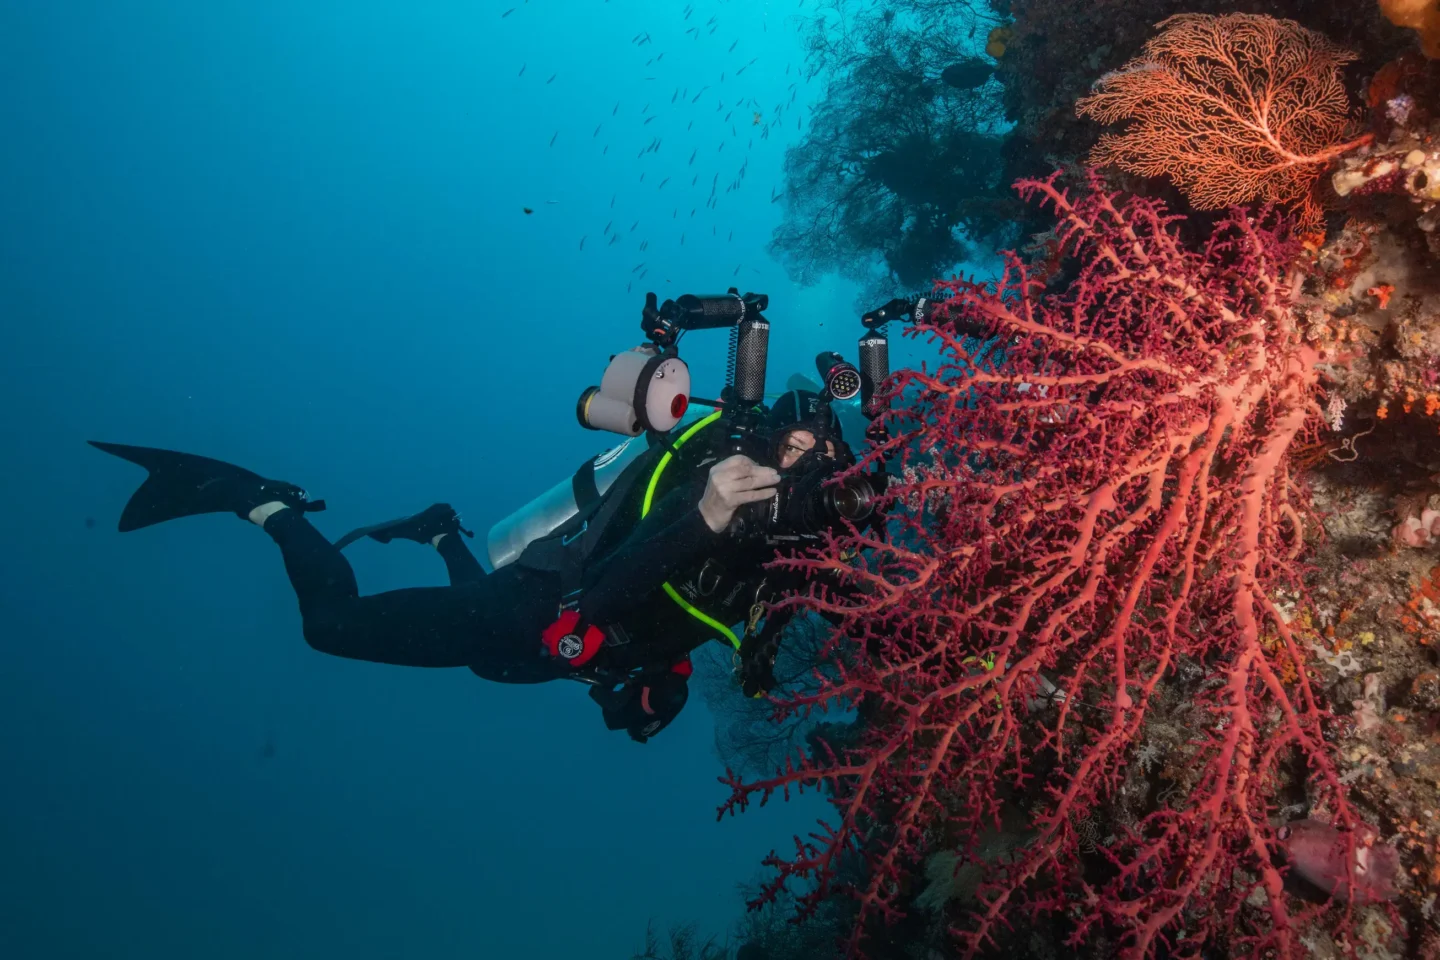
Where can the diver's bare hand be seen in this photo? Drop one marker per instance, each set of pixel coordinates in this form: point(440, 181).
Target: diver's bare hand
point(732, 483)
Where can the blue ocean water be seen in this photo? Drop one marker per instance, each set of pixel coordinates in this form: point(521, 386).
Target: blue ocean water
point(291, 236)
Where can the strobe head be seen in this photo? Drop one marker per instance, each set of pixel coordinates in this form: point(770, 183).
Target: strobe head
point(643, 388)
point(841, 379)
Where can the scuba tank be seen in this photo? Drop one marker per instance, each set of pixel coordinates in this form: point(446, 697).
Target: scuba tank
point(509, 537)
point(644, 390)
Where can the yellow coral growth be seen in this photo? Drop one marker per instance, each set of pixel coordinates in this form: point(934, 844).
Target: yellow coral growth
point(1422, 16)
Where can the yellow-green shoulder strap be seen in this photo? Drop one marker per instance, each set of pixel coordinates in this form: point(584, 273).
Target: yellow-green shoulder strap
point(645, 505)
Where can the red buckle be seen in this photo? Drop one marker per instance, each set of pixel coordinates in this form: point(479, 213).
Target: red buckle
point(571, 641)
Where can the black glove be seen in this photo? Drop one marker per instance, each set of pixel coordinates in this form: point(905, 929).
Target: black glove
point(645, 705)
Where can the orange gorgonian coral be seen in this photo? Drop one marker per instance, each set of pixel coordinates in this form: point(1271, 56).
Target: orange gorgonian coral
point(1232, 108)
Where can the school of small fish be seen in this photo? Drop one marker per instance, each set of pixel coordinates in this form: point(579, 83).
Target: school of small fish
point(689, 91)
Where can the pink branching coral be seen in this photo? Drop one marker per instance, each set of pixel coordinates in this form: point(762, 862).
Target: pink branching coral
point(1107, 510)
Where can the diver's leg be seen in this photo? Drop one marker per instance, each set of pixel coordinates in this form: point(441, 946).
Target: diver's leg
point(460, 563)
point(493, 620)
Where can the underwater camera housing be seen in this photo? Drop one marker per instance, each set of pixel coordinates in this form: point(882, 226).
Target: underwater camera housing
point(808, 501)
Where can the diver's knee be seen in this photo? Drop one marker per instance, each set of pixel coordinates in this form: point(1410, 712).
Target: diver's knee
point(322, 634)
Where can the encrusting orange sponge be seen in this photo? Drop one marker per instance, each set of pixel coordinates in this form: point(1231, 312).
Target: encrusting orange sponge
point(1422, 16)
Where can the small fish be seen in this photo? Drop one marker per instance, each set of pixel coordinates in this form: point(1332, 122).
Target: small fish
point(606, 150)
point(522, 70)
point(507, 13)
point(528, 210)
point(642, 276)
point(682, 239)
point(597, 131)
point(695, 180)
point(607, 228)
point(552, 201)
point(617, 108)
point(647, 121)
point(637, 266)
point(629, 285)
point(733, 46)
point(662, 183)
point(634, 225)
point(552, 78)
point(612, 200)
point(692, 156)
point(552, 139)
point(737, 271)
point(582, 241)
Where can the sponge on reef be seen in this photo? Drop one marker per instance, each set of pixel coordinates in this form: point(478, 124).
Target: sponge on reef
point(1422, 16)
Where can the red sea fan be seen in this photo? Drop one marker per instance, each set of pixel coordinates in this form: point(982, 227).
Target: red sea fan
point(1105, 511)
point(1233, 108)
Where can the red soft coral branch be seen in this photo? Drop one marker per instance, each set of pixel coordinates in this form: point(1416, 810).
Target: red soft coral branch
point(1112, 498)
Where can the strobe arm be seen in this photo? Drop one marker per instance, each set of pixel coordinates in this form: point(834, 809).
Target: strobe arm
point(663, 323)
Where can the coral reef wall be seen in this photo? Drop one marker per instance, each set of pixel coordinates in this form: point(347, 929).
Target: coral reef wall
point(1149, 666)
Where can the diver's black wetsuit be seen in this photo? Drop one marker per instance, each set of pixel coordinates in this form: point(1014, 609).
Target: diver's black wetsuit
point(490, 623)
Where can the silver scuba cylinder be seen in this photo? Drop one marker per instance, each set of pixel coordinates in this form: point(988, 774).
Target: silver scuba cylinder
point(509, 537)
point(643, 389)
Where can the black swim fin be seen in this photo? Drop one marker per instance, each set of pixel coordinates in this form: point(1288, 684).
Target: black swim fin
point(421, 527)
point(186, 485)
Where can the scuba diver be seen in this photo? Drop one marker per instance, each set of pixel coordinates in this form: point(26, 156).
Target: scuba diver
point(615, 575)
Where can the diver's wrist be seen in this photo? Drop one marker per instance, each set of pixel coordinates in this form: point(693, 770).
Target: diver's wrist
point(716, 518)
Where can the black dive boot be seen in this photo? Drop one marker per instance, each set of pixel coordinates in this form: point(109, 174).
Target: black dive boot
point(422, 527)
point(185, 485)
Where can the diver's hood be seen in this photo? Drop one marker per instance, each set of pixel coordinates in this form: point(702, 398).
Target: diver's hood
point(801, 410)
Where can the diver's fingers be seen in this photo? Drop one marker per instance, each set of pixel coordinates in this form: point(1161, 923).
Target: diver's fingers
point(742, 469)
point(740, 473)
point(756, 478)
point(752, 496)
